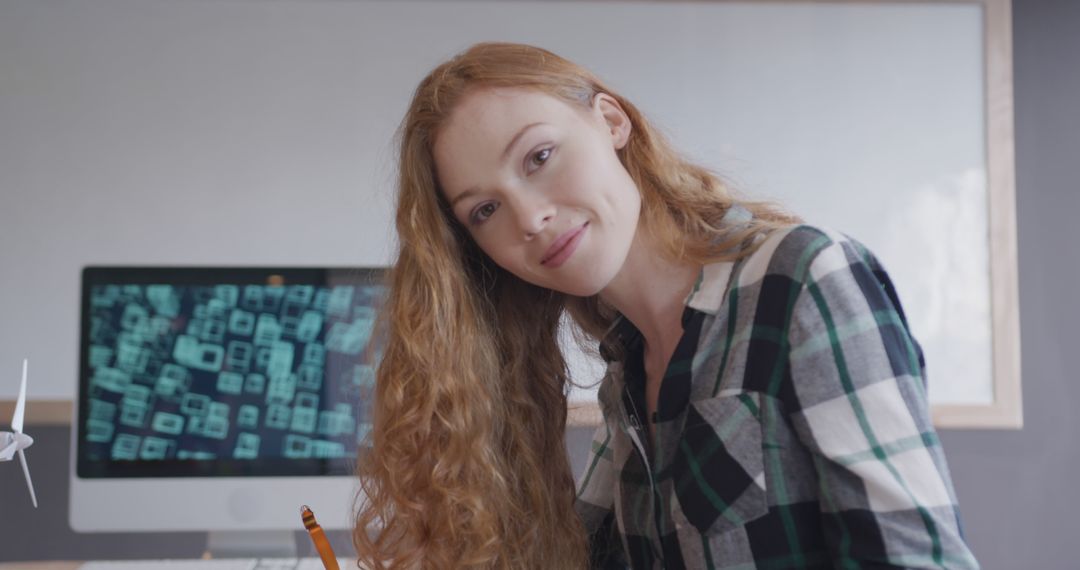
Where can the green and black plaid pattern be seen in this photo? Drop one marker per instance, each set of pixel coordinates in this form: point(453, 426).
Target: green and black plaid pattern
point(792, 428)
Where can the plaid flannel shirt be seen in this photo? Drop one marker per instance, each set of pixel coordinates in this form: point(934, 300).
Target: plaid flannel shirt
point(792, 428)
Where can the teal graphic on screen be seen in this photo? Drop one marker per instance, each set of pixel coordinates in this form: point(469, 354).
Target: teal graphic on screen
point(236, 372)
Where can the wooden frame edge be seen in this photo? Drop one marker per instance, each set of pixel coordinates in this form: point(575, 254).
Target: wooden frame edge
point(1002, 160)
point(39, 412)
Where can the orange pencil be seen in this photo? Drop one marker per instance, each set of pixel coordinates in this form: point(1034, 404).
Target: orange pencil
point(319, 538)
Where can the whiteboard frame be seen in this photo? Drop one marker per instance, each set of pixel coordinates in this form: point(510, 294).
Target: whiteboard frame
point(1005, 410)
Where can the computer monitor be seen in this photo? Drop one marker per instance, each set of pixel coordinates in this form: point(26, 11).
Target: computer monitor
point(221, 399)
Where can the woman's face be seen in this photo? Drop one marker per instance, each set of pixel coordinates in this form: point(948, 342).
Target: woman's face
point(537, 183)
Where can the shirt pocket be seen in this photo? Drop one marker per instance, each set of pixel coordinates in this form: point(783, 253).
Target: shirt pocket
point(718, 470)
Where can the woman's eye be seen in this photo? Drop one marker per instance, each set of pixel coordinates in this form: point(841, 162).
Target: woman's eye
point(540, 157)
point(481, 214)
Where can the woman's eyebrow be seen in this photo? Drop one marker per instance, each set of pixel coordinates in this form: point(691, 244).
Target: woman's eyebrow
point(513, 141)
point(505, 153)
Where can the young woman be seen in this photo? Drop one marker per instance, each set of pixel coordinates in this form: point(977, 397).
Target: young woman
point(764, 404)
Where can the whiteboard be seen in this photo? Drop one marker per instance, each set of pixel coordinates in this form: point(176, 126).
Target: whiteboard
point(246, 132)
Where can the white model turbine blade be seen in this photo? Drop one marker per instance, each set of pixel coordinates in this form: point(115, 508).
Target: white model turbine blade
point(26, 471)
point(17, 421)
point(9, 451)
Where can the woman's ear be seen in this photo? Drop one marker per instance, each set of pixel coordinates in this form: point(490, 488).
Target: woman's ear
point(614, 117)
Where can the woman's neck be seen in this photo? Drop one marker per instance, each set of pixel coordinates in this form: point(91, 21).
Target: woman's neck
point(650, 290)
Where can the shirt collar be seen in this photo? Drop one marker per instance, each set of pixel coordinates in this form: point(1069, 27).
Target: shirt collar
point(708, 292)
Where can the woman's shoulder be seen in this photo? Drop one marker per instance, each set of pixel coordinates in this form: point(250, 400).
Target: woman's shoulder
point(791, 252)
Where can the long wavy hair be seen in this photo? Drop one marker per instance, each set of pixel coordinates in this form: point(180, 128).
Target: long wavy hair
point(467, 466)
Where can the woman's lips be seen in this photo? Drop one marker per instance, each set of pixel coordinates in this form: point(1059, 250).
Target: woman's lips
point(563, 247)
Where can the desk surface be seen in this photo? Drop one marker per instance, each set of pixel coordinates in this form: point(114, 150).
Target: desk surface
point(51, 565)
point(74, 564)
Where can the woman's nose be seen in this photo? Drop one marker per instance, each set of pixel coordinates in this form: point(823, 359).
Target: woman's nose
point(533, 215)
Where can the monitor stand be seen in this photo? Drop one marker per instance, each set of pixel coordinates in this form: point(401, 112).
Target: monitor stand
point(248, 544)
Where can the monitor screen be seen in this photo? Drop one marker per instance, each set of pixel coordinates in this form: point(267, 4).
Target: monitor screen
point(202, 372)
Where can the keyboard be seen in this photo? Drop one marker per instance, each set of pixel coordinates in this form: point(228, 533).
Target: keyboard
point(216, 564)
